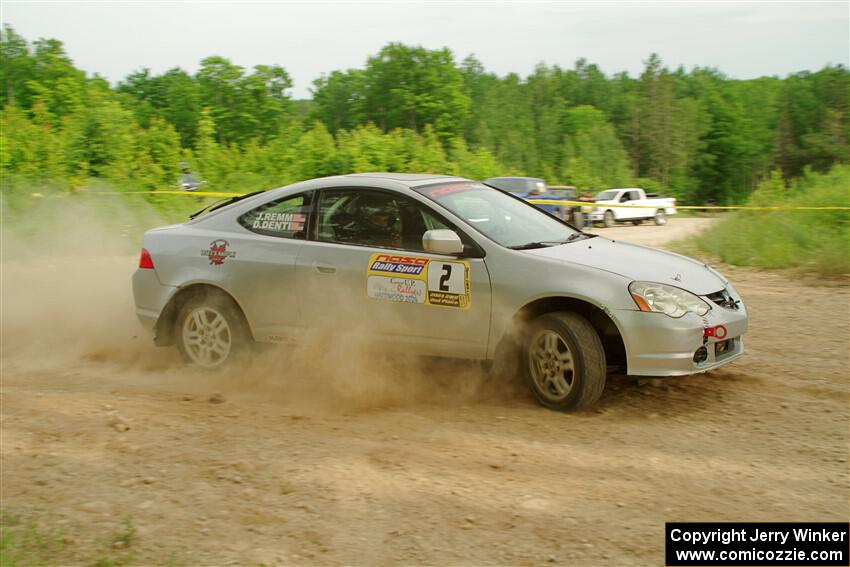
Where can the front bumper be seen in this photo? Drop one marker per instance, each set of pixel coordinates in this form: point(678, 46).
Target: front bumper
point(658, 345)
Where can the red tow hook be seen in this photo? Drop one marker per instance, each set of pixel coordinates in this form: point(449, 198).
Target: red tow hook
point(719, 332)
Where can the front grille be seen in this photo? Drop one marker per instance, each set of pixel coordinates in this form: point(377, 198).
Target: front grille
point(723, 299)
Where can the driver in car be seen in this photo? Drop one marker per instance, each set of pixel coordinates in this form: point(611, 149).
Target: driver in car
point(381, 224)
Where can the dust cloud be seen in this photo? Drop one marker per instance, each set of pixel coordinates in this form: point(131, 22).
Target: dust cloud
point(67, 301)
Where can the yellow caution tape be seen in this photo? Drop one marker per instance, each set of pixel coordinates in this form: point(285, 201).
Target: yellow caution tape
point(685, 207)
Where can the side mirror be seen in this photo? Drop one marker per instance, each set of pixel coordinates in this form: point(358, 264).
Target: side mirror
point(442, 241)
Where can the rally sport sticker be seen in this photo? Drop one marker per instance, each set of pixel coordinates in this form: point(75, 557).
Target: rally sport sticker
point(410, 279)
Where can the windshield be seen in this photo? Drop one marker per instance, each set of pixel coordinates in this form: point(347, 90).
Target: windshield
point(517, 184)
point(504, 219)
point(608, 195)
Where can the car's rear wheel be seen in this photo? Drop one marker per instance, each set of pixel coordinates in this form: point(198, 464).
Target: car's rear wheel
point(210, 330)
point(608, 219)
point(564, 361)
point(660, 217)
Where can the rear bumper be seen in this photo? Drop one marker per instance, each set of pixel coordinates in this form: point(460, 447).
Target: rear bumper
point(150, 296)
point(658, 345)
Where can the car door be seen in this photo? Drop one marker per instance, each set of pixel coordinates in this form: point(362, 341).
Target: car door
point(638, 212)
point(365, 272)
point(627, 212)
point(263, 269)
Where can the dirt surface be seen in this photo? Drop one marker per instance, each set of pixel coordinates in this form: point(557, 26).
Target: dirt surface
point(121, 454)
point(648, 234)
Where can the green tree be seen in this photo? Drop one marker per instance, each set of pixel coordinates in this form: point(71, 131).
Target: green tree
point(15, 66)
point(339, 101)
point(412, 87)
point(595, 157)
point(317, 154)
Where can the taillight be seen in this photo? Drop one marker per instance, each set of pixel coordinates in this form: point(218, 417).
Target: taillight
point(145, 260)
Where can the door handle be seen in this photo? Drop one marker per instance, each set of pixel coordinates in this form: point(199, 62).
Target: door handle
point(323, 268)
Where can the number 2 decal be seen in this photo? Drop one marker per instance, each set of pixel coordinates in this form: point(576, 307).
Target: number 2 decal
point(447, 273)
point(418, 280)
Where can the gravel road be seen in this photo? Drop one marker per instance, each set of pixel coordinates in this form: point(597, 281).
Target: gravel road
point(336, 459)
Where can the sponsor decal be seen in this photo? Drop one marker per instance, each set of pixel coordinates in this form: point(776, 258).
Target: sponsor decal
point(218, 252)
point(448, 284)
point(444, 190)
point(425, 281)
point(397, 264)
point(405, 290)
point(280, 222)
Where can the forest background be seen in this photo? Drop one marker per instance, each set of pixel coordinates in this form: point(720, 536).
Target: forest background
point(696, 134)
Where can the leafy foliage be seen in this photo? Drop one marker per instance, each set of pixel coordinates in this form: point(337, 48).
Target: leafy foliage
point(697, 135)
point(816, 240)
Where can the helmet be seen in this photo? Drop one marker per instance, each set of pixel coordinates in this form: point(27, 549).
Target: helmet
point(378, 218)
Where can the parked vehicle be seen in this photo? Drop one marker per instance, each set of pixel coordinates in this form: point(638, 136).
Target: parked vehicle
point(519, 186)
point(535, 188)
point(640, 207)
point(562, 193)
point(436, 266)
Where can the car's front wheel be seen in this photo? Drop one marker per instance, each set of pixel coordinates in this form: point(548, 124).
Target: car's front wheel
point(608, 219)
point(210, 330)
point(564, 361)
point(660, 217)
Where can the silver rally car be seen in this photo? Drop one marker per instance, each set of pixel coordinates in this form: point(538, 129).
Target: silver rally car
point(436, 266)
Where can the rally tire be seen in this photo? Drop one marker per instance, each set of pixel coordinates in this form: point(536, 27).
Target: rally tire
point(660, 217)
point(608, 219)
point(563, 361)
point(210, 330)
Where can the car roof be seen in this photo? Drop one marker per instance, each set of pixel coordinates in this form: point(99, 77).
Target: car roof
point(409, 179)
point(514, 178)
point(382, 180)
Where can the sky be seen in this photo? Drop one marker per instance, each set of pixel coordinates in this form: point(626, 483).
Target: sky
point(741, 39)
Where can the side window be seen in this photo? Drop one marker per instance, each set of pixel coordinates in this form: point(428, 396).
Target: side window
point(284, 218)
point(633, 196)
point(373, 218)
point(432, 222)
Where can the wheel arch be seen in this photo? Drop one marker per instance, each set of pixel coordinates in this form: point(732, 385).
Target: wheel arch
point(606, 327)
point(164, 328)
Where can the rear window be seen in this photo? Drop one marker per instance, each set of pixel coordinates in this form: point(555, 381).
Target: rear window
point(285, 218)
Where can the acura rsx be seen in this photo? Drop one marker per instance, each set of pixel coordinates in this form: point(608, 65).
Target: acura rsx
point(436, 266)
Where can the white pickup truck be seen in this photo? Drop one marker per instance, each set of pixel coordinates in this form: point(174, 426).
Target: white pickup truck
point(608, 207)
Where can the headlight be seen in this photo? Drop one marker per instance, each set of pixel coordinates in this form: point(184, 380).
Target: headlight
point(666, 299)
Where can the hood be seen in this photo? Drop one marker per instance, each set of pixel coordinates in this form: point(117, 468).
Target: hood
point(637, 263)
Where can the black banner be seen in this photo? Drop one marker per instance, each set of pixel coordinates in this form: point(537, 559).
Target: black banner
point(752, 543)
